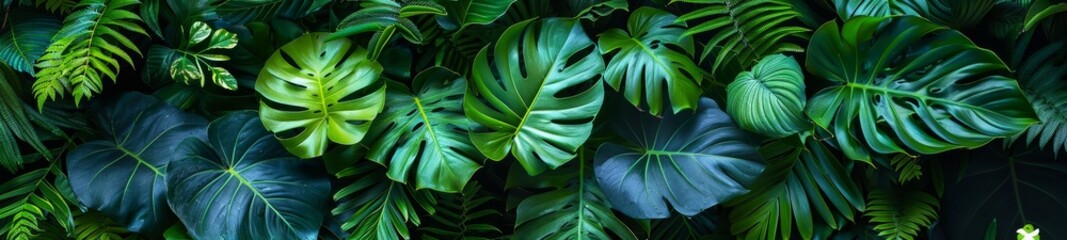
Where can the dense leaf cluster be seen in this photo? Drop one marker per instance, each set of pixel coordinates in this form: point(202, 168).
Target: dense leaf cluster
point(532, 119)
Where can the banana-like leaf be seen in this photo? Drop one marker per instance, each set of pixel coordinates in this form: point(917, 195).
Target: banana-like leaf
point(770, 99)
point(475, 12)
point(692, 160)
point(525, 94)
point(316, 90)
point(644, 64)
point(122, 173)
point(240, 183)
point(25, 40)
point(426, 127)
point(910, 86)
point(385, 18)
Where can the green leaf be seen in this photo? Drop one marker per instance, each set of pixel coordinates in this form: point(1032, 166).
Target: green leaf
point(910, 86)
point(87, 50)
point(27, 199)
point(384, 18)
point(470, 214)
point(26, 38)
point(595, 9)
point(770, 99)
point(524, 107)
point(907, 167)
point(901, 214)
point(374, 207)
point(804, 186)
point(848, 9)
point(645, 62)
point(194, 58)
point(17, 122)
point(744, 31)
point(1040, 10)
point(121, 174)
point(694, 160)
point(578, 211)
point(426, 127)
point(314, 90)
point(241, 184)
point(1043, 78)
point(475, 12)
point(240, 12)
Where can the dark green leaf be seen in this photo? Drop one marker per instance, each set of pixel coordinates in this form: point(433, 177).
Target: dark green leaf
point(241, 184)
point(910, 86)
point(694, 160)
point(121, 174)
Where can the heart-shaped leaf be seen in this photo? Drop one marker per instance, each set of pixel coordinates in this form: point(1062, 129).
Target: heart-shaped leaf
point(122, 174)
point(910, 86)
point(644, 63)
point(314, 90)
point(692, 160)
point(530, 103)
point(241, 184)
point(427, 127)
point(770, 99)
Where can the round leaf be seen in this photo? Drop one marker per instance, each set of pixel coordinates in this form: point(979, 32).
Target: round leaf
point(692, 160)
point(122, 174)
point(427, 127)
point(539, 93)
point(646, 64)
point(770, 99)
point(241, 184)
point(908, 85)
point(316, 90)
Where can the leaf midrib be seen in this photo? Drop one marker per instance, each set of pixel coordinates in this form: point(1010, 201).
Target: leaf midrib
point(244, 182)
point(924, 98)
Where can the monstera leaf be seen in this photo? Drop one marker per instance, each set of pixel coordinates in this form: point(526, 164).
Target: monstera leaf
point(910, 86)
point(770, 99)
point(122, 174)
point(645, 64)
point(315, 90)
point(426, 126)
point(241, 184)
point(692, 160)
point(529, 104)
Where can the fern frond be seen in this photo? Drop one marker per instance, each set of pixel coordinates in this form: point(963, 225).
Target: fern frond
point(16, 123)
point(907, 167)
point(26, 39)
point(84, 51)
point(901, 214)
point(1043, 79)
point(744, 30)
point(464, 216)
point(375, 207)
point(94, 225)
point(24, 223)
point(29, 198)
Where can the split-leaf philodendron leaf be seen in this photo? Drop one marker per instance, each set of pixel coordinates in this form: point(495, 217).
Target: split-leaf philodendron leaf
point(316, 90)
point(906, 85)
point(424, 133)
point(240, 183)
point(524, 93)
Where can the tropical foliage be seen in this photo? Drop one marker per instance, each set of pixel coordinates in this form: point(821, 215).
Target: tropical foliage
point(532, 119)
